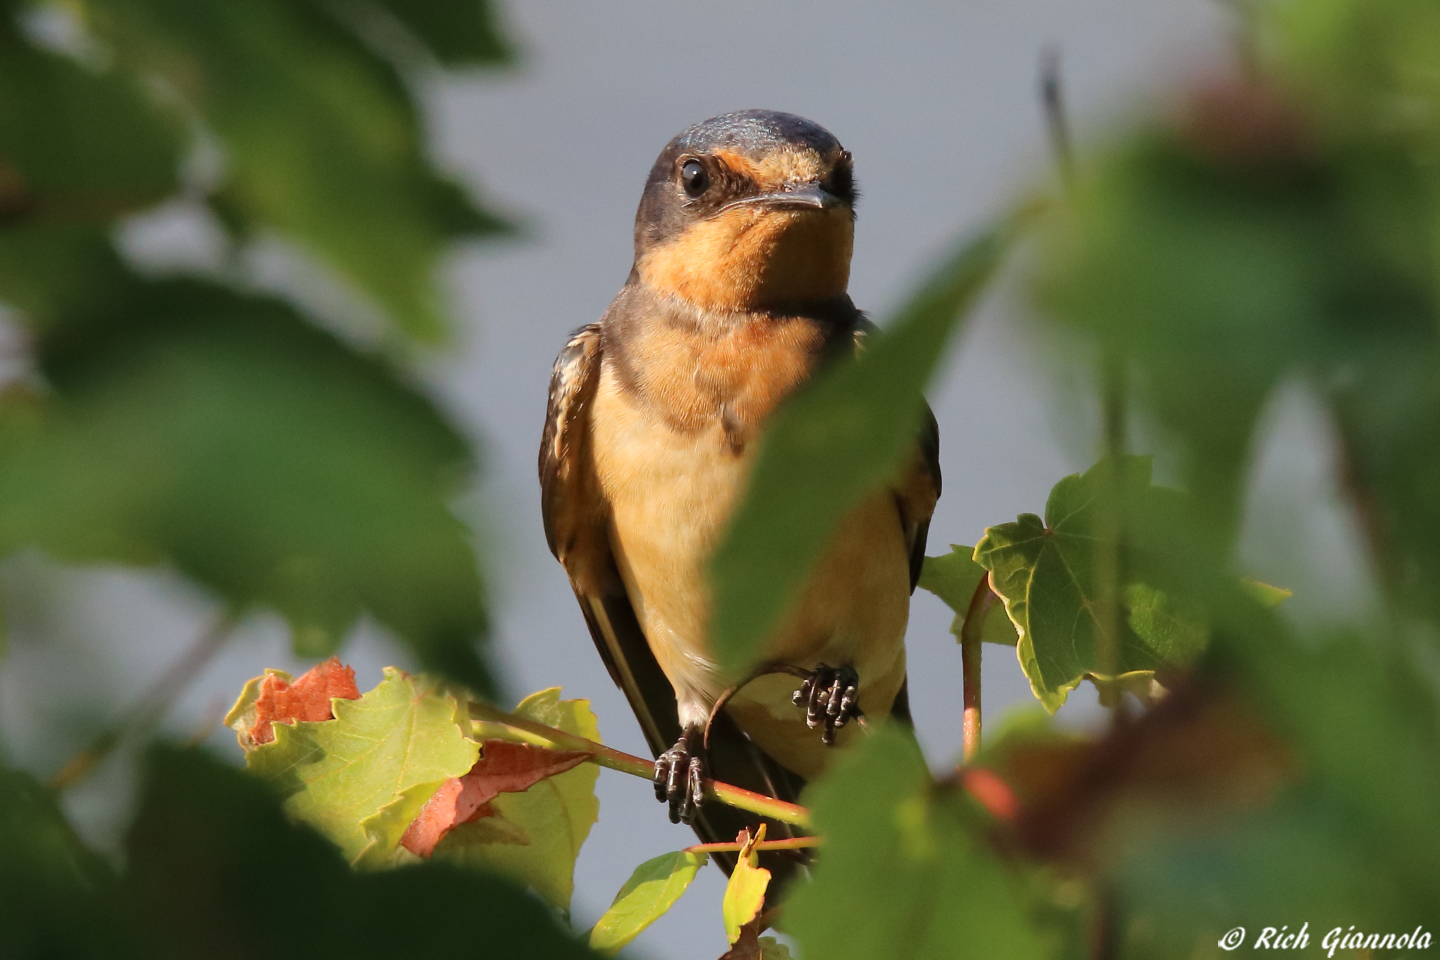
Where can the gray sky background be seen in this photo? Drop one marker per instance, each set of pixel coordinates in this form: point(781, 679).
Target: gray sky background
point(937, 101)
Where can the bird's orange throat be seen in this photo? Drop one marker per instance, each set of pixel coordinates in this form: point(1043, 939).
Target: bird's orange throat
point(755, 258)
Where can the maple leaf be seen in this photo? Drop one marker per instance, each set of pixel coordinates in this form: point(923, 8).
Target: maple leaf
point(276, 697)
point(503, 767)
point(553, 817)
point(362, 777)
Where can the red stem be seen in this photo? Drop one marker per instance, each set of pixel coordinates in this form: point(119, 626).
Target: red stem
point(970, 657)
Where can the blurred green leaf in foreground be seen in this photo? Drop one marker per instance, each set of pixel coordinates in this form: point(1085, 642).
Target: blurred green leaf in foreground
point(836, 442)
point(215, 868)
point(191, 422)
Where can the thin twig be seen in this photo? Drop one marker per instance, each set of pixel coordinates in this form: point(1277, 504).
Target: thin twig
point(152, 705)
point(604, 756)
point(1057, 123)
point(793, 843)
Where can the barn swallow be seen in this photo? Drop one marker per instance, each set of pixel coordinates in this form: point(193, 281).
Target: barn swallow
point(736, 298)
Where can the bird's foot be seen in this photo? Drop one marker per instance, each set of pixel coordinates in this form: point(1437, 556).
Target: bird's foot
point(831, 697)
point(680, 778)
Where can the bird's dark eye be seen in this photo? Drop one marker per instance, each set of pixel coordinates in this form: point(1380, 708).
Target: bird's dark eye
point(694, 178)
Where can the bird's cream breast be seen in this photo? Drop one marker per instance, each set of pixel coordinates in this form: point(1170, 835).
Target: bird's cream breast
point(671, 492)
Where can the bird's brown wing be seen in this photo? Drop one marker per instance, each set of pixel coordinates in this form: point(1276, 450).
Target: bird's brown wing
point(577, 526)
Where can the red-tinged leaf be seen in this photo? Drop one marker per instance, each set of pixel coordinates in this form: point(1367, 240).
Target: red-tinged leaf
point(308, 698)
point(453, 804)
point(504, 767)
point(278, 698)
point(991, 792)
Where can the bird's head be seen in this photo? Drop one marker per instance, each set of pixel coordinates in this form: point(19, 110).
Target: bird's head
point(748, 211)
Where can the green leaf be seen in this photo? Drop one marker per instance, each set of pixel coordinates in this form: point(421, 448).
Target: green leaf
point(362, 777)
point(650, 892)
point(745, 892)
point(259, 455)
point(78, 144)
point(1045, 572)
point(839, 439)
point(322, 137)
point(555, 814)
point(214, 865)
point(57, 898)
point(79, 147)
point(906, 871)
point(954, 577)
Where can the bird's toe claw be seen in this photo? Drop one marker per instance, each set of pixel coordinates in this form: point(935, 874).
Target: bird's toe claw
point(680, 781)
point(830, 697)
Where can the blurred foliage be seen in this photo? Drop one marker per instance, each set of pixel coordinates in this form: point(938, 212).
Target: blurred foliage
point(187, 421)
point(906, 865)
point(214, 869)
point(833, 444)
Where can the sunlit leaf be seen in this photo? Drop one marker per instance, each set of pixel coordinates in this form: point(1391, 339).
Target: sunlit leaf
point(361, 778)
point(503, 767)
point(906, 872)
point(745, 892)
point(555, 814)
point(650, 892)
point(259, 455)
point(834, 443)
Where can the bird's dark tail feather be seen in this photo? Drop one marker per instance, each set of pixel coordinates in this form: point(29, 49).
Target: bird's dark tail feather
point(733, 758)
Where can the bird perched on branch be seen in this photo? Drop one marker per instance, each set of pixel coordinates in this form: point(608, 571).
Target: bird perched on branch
point(737, 297)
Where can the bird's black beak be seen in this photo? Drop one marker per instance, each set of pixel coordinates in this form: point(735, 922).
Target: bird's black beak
point(800, 196)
